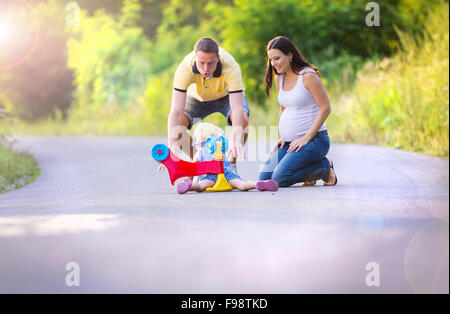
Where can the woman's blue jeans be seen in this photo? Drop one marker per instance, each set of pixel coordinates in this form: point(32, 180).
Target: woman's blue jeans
point(309, 163)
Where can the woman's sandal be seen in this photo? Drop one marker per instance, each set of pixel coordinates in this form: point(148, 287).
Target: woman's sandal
point(309, 183)
point(332, 174)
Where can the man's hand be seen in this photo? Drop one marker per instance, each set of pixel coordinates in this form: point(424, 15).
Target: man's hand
point(161, 166)
point(235, 148)
point(237, 117)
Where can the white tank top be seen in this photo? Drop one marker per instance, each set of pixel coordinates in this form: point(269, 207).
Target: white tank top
point(301, 109)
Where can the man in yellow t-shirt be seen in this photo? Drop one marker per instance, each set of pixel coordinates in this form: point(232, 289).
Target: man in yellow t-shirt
point(208, 80)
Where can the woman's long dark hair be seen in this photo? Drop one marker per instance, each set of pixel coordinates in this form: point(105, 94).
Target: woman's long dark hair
point(285, 45)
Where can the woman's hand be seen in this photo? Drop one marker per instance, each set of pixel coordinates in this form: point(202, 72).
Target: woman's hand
point(297, 144)
point(280, 142)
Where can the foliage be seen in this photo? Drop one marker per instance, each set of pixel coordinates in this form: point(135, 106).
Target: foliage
point(113, 74)
point(16, 168)
point(110, 59)
point(324, 31)
point(404, 101)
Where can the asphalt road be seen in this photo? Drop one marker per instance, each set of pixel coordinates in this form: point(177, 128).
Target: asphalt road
point(100, 203)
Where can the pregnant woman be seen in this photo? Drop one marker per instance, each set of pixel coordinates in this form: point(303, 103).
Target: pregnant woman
point(299, 155)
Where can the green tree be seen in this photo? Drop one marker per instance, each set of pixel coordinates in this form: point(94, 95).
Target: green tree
point(151, 12)
point(326, 31)
point(183, 23)
point(110, 58)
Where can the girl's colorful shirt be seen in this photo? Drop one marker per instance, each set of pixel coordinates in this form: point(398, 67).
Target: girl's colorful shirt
point(204, 155)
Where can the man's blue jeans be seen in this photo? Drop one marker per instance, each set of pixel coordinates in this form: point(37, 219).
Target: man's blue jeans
point(309, 163)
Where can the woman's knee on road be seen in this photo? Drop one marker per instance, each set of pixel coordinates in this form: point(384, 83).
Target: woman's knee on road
point(283, 177)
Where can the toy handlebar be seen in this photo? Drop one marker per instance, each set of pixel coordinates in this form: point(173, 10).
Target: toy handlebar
point(179, 168)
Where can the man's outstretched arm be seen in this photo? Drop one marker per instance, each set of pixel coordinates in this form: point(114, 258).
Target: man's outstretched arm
point(178, 124)
point(238, 121)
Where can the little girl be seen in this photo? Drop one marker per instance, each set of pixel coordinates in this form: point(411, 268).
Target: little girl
point(201, 134)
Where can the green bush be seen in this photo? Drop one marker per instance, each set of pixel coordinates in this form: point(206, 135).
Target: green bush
point(110, 60)
point(327, 32)
point(16, 168)
point(402, 102)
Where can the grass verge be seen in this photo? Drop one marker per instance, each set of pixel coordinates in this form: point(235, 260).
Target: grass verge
point(17, 168)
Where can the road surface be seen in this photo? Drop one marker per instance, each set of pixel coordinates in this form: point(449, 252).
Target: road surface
point(100, 203)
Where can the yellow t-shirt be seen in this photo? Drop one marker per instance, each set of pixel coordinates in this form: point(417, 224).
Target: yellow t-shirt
point(226, 79)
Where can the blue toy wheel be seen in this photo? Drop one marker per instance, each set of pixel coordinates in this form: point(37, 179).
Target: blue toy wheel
point(211, 144)
point(224, 141)
point(160, 152)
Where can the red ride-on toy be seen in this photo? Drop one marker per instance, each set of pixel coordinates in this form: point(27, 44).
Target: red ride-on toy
point(179, 168)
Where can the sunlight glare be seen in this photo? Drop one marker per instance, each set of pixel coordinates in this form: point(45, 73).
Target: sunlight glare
point(4, 30)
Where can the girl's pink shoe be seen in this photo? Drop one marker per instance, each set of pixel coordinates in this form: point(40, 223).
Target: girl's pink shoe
point(267, 185)
point(184, 186)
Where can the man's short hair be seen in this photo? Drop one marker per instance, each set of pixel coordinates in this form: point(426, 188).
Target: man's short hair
point(206, 44)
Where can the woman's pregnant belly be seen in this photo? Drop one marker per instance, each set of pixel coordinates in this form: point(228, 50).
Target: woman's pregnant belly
point(295, 122)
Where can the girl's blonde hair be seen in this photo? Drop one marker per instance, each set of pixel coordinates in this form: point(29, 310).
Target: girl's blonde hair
point(205, 130)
